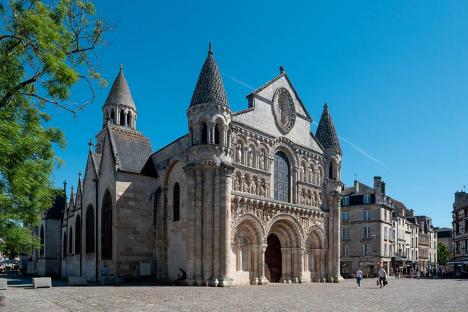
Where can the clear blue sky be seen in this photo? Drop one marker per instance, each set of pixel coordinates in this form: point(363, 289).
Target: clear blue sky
point(395, 75)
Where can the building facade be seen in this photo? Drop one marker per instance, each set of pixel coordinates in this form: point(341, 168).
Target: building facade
point(247, 197)
point(460, 234)
point(378, 230)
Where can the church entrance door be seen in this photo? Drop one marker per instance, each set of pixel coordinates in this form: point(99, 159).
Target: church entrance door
point(273, 259)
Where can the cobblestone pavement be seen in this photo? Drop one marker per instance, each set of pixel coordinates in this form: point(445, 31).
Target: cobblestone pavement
point(402, 295)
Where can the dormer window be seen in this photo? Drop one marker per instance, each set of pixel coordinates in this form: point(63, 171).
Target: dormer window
point(367, 199)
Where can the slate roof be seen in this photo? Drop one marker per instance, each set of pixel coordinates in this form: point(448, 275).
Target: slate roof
point(210, 87)
point(363, 189)
point(120, 92)
point(56, 211)
point(131, 150)
point(326, 133)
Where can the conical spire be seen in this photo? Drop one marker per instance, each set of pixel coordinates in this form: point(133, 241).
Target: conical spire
point(326, 133)
point(210, 88)
point(120, 92)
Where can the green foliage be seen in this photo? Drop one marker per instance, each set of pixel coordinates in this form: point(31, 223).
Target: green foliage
point(45, 48)
point(443, 253)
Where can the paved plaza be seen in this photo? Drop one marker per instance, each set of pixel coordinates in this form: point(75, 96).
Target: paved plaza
point(402, 295)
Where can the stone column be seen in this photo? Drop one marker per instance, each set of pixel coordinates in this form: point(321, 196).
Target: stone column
point(190, 173)
point(216, 222)
point(198, 225)
point(125, 121)
point(207, 224)
point(336, 254)
point(261, 265)
point(294, 186)
point(225, 278)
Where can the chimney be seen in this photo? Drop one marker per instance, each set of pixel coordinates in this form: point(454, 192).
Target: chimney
point(356, 186)
point(378, 185)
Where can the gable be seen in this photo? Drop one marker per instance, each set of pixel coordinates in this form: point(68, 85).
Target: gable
point(261, 114)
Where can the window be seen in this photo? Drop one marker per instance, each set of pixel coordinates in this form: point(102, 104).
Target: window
point(70, 242)
point(366, 215)
point(78, 235)
point(112, 117)
point(176, 202)
point(129, 120)
point(90, 229)
point(41, 237)
point(281, 175)
point(385, 233)
point(330, 171)
point(204, 134)
point(216, 134)
point(367, 232)
point(367, 199)
point(64, 251)
point(466, 226)
point(386, 250)
point(345, 216)
point(346, 250)
point(106, 227)
point(345, 201)
point(345, 233)
point(364, 249)
point(122, 117)
point(466, 246)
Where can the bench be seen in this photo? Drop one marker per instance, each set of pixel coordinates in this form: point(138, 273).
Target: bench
point(3, 284)
point(42, 282)
point(77, 281)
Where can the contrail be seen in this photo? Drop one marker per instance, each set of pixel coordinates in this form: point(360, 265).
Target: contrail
point(363, 152)
point(239, 82)
point(358, 149)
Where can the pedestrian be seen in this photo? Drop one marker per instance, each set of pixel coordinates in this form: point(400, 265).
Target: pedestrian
point(358, 277)
point(418, 274)
point(382, 276)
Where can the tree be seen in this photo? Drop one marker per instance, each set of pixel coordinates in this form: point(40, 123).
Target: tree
point(45, 49)
point(442, 253)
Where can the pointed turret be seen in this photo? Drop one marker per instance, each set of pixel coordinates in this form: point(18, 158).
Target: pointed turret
point(210, 87)
point(326, 133)
point(119, 108)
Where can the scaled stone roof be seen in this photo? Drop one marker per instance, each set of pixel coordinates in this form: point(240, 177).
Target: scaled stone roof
point(210, 87)
point(131, 150)
point(326, 133)
point(120, 92)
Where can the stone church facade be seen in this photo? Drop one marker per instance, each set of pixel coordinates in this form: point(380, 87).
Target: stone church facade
point(247, 197)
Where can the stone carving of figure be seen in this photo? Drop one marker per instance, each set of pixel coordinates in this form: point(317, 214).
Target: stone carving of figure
point(308, 198)
point(239, 153)
point(262, 189)
point(253, 187)
point(237, 186)
point(302, 173)
point(267, 190)
point(310, 175)
point(302, 197)
point(313, 199)
point(261, 161)
point(246, 185)
point(251, 158)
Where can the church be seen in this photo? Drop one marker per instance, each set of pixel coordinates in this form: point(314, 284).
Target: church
point(247, 197)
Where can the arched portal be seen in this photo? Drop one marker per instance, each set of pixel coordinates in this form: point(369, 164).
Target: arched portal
point(273, 259)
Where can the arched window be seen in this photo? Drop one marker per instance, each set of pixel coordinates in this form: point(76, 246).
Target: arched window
point(78, 235)
point(282, 177)
point(216, 134)
point(106, 227)
point(330, 171)
point(122, 117)
point(70, 241)
point(41, 237)
point(64, 244)
point(90, 229)
point(204, 134)
point(176, 202)
point(129, 120)
point(112, 117)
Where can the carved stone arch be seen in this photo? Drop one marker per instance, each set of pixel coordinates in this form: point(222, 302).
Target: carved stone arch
point(240, 138)
point(294, 226)
point(255, 224)
point(219, 119)
point(318, 233)
point(287, 149)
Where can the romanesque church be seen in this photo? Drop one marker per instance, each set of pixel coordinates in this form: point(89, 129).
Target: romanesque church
point(247, 197)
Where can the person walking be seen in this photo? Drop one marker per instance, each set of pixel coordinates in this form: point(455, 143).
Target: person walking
point(382, 274)
point(358, 277)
